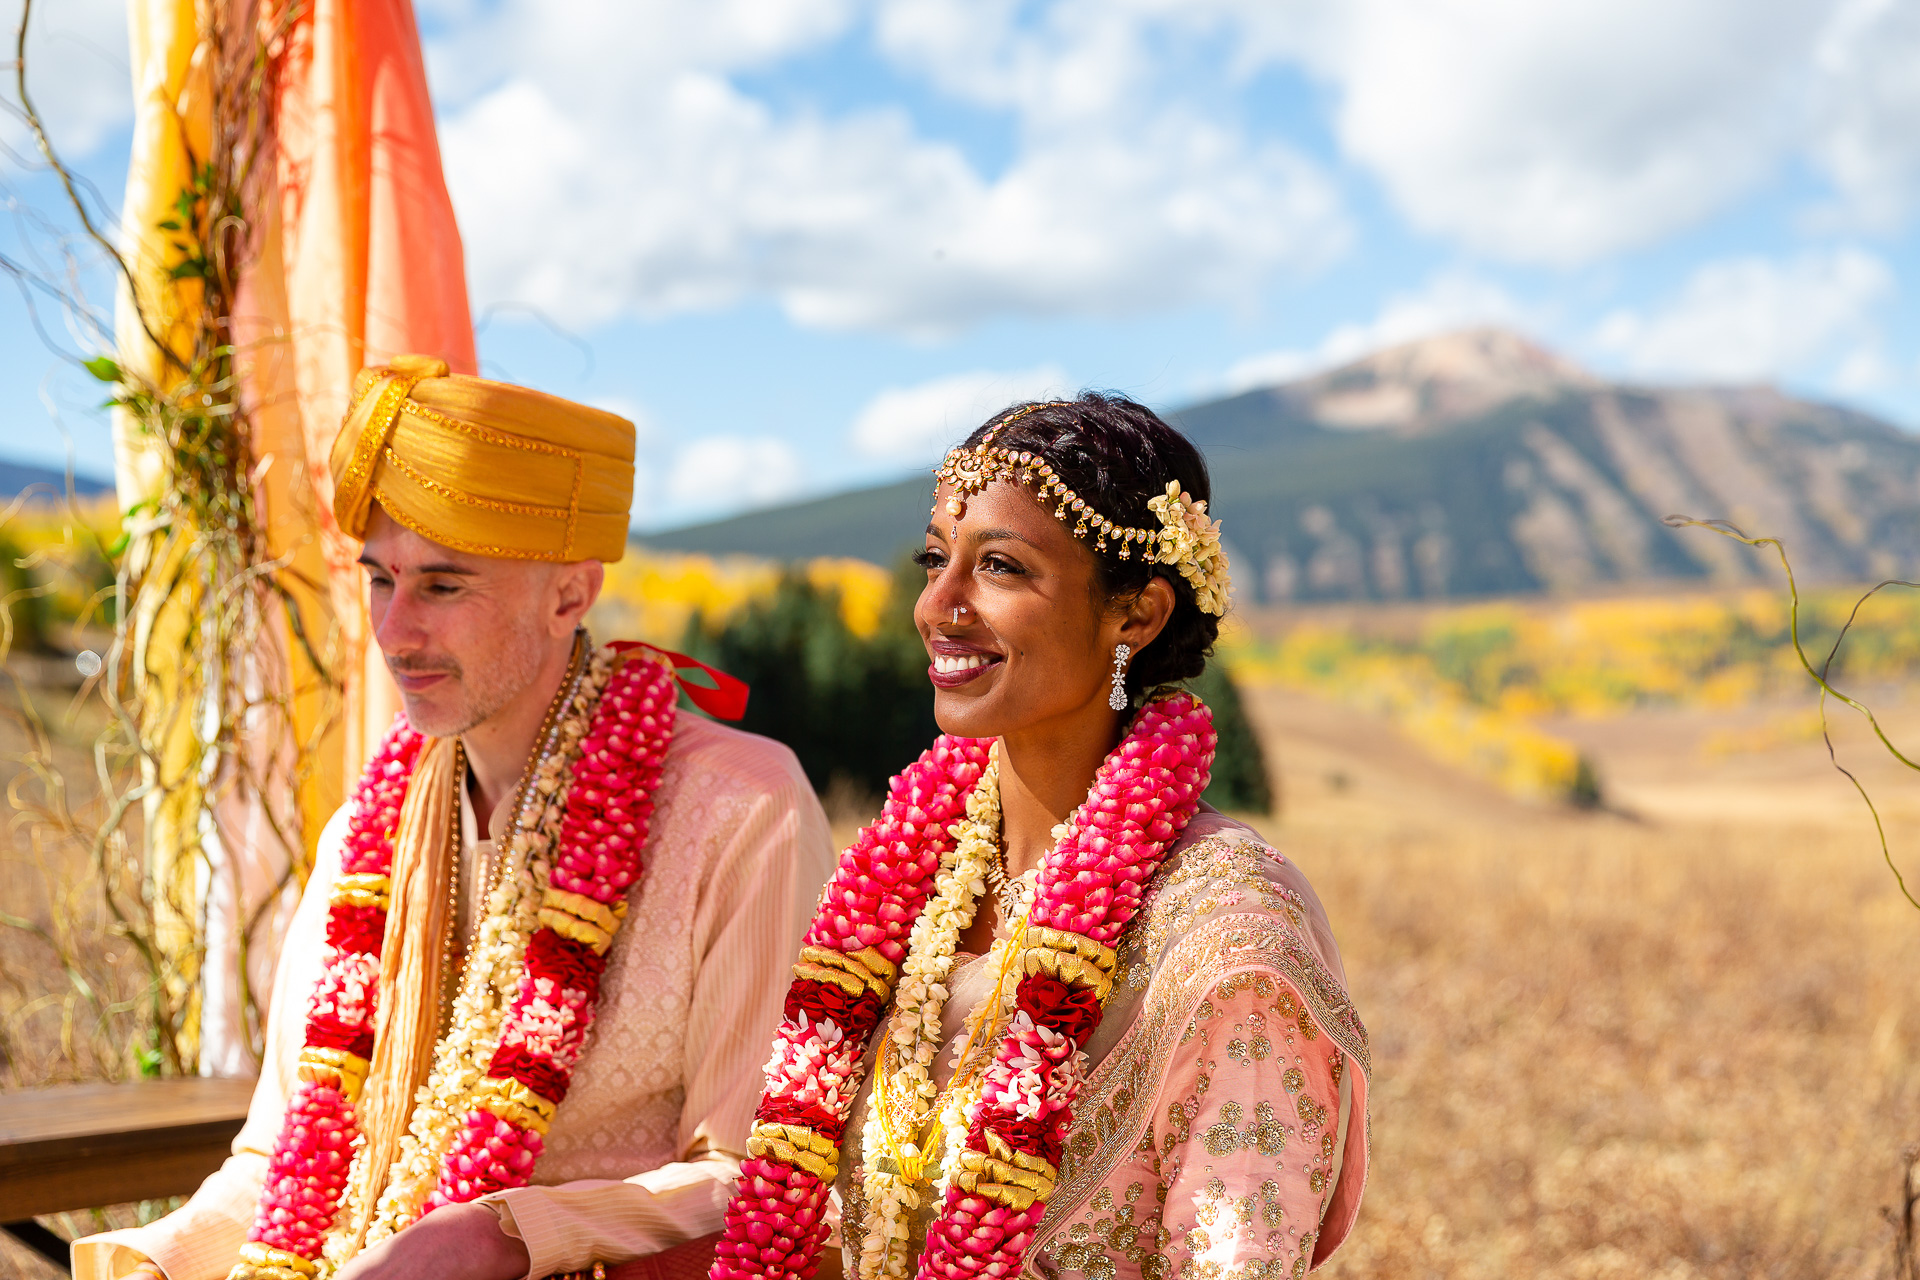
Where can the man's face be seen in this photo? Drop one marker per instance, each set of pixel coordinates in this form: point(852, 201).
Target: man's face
point(462, 634)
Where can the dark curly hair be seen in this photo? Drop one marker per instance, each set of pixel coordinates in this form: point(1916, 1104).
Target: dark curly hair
point(1116, 454)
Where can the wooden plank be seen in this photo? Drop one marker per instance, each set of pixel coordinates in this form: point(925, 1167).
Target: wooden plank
point(82, 1146)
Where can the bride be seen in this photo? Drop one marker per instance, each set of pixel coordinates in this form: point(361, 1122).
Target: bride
point(1113, 1034)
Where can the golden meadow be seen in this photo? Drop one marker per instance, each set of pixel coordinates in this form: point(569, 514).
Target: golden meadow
point(1471, 684)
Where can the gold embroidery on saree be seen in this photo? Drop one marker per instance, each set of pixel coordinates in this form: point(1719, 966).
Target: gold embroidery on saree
point(1215, 873)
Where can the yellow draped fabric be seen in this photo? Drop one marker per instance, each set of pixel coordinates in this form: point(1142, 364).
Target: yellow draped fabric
point(353, 255)
point(483, 467)
point(172, 123)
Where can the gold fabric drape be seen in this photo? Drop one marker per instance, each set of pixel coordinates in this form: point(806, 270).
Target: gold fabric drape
point(354, 257)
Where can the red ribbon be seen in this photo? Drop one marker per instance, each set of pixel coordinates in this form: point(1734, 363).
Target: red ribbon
point(727, 700)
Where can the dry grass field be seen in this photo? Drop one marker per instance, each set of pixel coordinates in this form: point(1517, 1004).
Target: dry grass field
point(1672, 1038)
point(1673, 1041)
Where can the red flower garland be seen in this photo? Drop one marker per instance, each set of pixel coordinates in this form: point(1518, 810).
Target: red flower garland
point(308, 1168)
point(596, 860)
point(853, 951)
point(1089, 888)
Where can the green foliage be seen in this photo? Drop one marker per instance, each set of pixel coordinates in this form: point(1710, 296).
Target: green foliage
point(851, 708)
point(1240, 780)
point(22, 600)
point(859, 709)
point(1477, 655)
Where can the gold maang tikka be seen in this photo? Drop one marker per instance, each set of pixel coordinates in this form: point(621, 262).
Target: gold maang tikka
point(966, 471)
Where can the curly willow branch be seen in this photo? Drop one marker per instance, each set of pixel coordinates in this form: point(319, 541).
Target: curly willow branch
point(210, 650)
point(101, 241)
point(1728, 530)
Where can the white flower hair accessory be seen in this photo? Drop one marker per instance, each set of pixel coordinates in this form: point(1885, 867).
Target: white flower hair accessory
point(1190, 542)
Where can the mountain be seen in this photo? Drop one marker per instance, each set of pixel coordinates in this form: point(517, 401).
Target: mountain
point(1475, 464)
point(17, 477)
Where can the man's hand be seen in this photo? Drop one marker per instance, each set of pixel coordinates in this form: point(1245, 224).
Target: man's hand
point(459, 1242)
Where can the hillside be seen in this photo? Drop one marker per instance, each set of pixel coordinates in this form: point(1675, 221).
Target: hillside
point(1479, 464)
point(18, 477)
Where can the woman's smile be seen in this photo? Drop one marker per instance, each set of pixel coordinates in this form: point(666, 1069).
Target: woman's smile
point(955, 663)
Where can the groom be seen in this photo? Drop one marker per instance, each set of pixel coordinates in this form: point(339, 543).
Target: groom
point(486, 512)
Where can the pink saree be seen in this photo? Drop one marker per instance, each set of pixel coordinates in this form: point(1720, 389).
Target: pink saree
point(1222, 1132)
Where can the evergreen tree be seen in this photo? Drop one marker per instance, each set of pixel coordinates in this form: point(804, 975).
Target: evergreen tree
point(851, 708)
point(861, 709)
point(1240, 781)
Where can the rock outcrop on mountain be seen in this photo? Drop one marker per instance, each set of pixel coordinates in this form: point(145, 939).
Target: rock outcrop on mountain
point(1480, 464)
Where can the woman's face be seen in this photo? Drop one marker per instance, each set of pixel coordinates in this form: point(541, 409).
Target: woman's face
point(1018, 636)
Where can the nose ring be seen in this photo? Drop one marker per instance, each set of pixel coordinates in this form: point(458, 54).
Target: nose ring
point(957, 611)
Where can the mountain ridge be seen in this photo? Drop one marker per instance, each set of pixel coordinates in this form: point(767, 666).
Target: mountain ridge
point(17, 477)
point(1479, 463)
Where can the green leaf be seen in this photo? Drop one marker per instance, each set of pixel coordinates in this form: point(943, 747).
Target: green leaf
point(169, 224)
point(191, 269)
point(105, 368)
point(149, 1060)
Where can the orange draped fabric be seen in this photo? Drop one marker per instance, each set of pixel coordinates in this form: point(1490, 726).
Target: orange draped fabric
point(360, 260)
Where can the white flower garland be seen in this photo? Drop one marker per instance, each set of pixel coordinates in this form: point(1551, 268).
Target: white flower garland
point(915, 1031)
point(914, 1028)
point(495, 961)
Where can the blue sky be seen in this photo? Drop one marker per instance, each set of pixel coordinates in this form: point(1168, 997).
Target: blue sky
point(806, 243)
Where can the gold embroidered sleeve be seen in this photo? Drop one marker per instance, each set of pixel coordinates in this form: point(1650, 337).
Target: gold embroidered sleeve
point(1230, 1177)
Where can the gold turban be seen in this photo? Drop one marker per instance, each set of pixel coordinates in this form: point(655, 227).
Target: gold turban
point(482, 466)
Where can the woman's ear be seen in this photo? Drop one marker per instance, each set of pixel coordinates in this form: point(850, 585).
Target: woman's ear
point(1147, 614)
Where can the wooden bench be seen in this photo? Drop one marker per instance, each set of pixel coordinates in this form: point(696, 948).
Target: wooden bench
point(80, 1146)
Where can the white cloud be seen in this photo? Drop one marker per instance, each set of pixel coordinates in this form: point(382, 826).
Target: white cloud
point(631, 175)
point(1752, 318)
point(677, 479)
point(728, 473)
point(76, 73)
point(1564, 132)
point(918, 423)
point(1867, 107)
point(1557, 132)
point(1449, 301)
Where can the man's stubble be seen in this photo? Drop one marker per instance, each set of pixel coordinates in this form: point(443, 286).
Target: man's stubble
point(487, 684)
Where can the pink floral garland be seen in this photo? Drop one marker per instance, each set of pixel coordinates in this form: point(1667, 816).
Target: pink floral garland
point(609, 807)
point(597, 859)
point(308, 1169)
point(1089, 887)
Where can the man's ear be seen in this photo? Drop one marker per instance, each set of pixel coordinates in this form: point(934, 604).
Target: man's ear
point(576, 587)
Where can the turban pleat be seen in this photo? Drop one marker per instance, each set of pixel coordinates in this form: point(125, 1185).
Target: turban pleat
point(483, 466)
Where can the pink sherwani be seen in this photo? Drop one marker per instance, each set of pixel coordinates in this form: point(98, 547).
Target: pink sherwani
point(1222, 1131)
point(645, 1149)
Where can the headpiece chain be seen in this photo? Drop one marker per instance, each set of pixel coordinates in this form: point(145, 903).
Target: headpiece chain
point(1186, 539)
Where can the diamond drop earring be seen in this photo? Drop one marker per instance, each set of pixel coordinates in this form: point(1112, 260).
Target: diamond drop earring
point(1118, 698)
